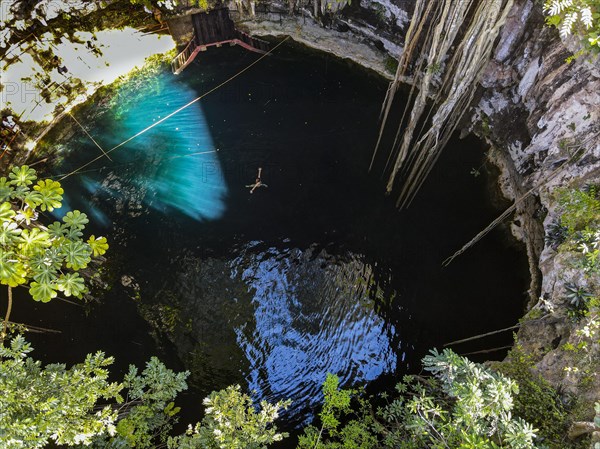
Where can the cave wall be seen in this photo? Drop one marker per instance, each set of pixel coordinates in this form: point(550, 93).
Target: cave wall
point(539, 113)
point(543, 113)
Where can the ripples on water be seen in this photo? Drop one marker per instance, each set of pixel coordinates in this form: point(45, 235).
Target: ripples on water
point(313, 314)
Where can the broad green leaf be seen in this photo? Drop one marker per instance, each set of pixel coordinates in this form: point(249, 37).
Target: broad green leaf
point(43, 273)
point(76, 219)
point(50, 194)
point(5, 189)
point(553, 20)
point(98, 245)
point(44, 291)
point(77, 254)
point(12, 271)
point(22, 176)
point(32, 239)
point(9, 233)
point(56, 230)
point(73, 234)
point(20, 193)
point(6, 212)
point(50, 258)
point(31, 198)
point(71, 284)
point(52, 405)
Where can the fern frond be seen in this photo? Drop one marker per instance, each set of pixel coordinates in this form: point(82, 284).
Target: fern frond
point(586, 16)
point(568, 22)
point(555, 7)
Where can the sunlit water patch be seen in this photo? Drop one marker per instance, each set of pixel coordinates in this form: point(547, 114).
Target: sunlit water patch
point(313, 314)
point(171, 167)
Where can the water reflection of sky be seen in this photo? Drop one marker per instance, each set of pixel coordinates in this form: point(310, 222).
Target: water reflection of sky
point(311, 318)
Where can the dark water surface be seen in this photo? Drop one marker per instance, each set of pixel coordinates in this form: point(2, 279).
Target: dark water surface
point(315, 273)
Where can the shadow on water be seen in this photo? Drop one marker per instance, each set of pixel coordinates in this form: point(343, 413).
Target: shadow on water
point(315, 273)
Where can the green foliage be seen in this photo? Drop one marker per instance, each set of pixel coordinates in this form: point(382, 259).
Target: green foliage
point(580, 208)
point(463, 405)
point(589, 246)
point(556, 235)
point(391, 64)
point(231, 422)
point(580, 215)
point(46, 258)
point(587, 335)
point(52, 403)
point(536, 394)
point(169, 4)
point(577, 297)
point(358, 432)
point(149, 413)
point(580, 17)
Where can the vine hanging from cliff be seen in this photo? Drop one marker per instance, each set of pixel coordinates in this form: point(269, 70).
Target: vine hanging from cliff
point(448, 44)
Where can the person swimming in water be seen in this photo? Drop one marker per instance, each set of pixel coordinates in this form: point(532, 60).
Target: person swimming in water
point(258, 183)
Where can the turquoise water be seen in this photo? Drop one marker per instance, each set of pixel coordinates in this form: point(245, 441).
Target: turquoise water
point(316, 273)
point(181, 168)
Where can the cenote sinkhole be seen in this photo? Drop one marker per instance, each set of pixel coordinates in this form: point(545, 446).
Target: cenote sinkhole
point(316, 273)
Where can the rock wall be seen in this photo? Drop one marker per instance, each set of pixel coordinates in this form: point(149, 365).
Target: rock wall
point(541, 116)
point(369, 33)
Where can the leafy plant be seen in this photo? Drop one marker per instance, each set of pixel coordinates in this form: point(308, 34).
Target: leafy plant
point(580, 216)
point(589, 245)
point(556, 235)
point(462, 405)
point(147, 415)
point(391, 64)
point(231, 422)
point(52, 403)
point(577, 296)
point(356, 433)
point(45, 257)
point(536, 394)
point(47, 404)
point(579, 17)
point(580, 208)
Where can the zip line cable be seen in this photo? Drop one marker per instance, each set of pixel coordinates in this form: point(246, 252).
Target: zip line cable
point(88, 134)
point(176, 111)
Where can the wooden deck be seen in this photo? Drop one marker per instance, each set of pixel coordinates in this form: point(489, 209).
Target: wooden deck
point(214, 29)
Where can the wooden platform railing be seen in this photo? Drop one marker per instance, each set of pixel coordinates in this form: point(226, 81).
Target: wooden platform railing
point(215, 28)
point(187, 55)
point(251, 43)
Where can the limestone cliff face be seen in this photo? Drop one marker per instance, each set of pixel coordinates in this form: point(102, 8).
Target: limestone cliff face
point(543, 114)
point(540, 114)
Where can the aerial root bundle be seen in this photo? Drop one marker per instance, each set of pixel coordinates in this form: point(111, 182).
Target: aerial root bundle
point(446, 74)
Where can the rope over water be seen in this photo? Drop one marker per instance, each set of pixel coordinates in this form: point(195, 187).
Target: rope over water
point(148, 128)
point(576, 154)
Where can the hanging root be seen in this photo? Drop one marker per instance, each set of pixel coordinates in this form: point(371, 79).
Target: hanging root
point(448, 80)
point(579, 152)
